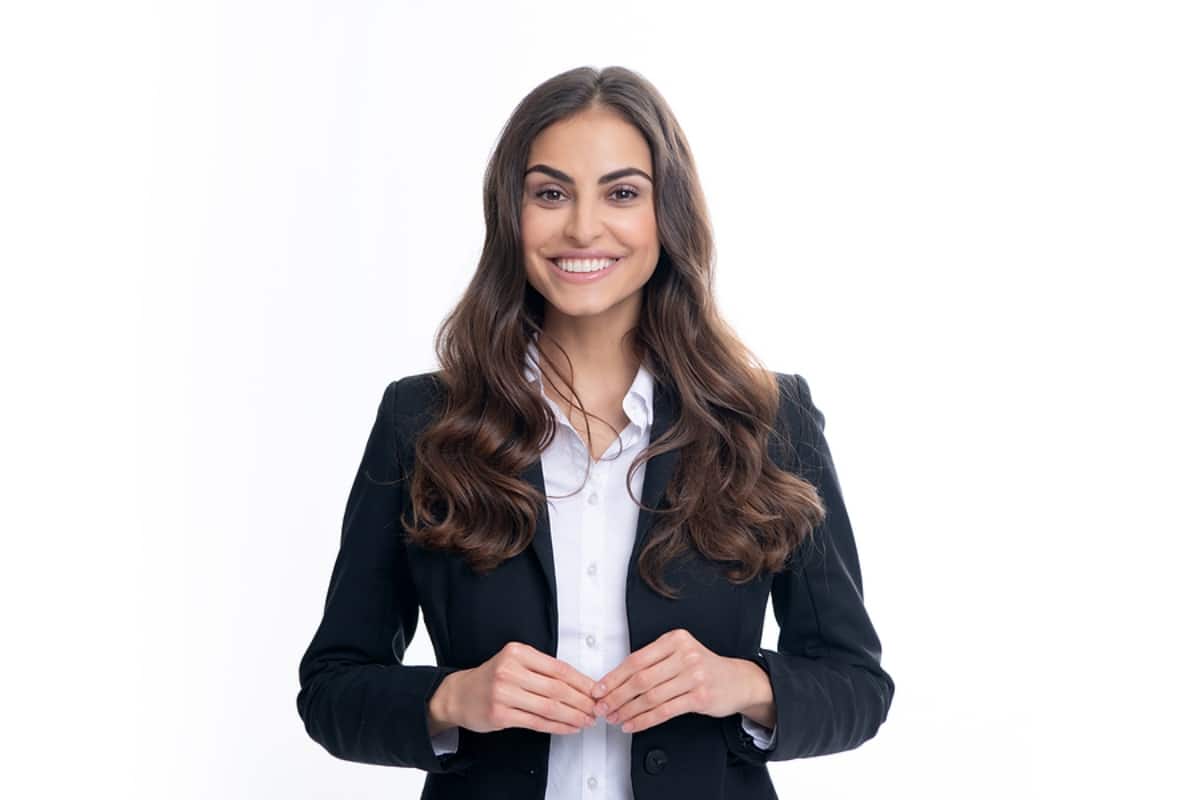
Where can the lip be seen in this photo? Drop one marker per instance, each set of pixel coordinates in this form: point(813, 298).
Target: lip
point(584, 254)
point(585, 277)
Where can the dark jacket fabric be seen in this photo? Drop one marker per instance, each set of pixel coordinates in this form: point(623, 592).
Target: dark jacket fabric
point(361, 702)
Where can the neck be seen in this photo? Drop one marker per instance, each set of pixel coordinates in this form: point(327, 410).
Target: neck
point(601, 353)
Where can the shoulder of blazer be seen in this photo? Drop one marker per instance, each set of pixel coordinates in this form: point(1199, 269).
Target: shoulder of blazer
point(800, 423)
point(415, 400)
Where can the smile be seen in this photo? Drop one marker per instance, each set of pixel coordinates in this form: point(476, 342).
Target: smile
point(583, 264)
point(584, 270)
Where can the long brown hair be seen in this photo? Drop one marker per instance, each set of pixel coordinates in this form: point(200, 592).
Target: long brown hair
point(728, 500)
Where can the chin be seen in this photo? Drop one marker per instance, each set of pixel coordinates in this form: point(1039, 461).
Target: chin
point(581, 309)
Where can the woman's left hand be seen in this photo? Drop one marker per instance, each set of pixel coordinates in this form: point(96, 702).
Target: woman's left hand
point(672, 675)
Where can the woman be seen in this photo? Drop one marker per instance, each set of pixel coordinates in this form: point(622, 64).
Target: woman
point(588, 644)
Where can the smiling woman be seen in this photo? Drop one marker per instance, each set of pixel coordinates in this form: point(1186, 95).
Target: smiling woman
point(595, 595)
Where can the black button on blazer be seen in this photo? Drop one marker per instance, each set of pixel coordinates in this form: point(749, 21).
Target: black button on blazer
point(361, 703)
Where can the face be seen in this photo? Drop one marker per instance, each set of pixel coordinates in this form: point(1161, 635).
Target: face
point(588, 194)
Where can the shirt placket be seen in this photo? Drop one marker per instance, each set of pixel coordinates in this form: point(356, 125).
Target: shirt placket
point(591, 622)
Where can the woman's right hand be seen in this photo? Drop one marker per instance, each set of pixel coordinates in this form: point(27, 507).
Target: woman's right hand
point(520, 686)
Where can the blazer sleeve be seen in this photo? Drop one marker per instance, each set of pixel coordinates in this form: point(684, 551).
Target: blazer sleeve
point(831, 692)
point(357, 699)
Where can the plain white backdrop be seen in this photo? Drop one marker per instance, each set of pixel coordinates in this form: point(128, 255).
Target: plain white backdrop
point(226, 226)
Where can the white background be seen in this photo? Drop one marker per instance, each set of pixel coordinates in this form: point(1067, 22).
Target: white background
point(226, 226)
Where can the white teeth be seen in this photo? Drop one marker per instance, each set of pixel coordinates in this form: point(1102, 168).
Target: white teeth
point(583, 264)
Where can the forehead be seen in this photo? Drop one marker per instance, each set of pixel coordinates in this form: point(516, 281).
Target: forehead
point(590, 143)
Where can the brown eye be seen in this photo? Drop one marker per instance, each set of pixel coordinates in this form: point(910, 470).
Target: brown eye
point(543, 192)
point(628, 190)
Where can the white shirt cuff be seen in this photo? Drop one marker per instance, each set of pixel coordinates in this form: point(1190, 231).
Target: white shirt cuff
point(764, 737)
point(446, 741)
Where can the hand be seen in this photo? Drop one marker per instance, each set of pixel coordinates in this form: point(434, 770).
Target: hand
point(520, 686)
point(672, 675)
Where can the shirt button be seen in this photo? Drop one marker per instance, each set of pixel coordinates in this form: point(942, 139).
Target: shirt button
point(593, 498)
point(591, 568)
point(592, 782)
point(591, 640)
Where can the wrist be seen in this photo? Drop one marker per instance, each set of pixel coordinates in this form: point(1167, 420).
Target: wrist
point(441, 707)
point(759, 703)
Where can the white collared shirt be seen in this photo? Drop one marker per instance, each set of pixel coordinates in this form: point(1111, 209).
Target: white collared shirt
point(592, 533)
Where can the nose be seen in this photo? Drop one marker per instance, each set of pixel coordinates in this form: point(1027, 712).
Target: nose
point(585, 220)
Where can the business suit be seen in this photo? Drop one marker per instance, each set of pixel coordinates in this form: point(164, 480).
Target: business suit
point(362, 704)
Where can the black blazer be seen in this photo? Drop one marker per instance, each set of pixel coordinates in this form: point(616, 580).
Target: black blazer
point(362, 703)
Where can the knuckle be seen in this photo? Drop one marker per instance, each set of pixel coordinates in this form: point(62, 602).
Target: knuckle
point(691, 656)
point(699, 676)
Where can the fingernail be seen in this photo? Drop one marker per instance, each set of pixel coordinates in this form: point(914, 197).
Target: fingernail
point(602, 708)
point(599, 689)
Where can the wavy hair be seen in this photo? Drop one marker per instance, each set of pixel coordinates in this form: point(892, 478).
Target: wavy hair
point(727, 500)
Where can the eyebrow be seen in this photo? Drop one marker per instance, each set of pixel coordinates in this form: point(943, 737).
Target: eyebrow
point(607, 178)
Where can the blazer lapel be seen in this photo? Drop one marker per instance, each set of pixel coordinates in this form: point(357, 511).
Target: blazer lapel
point(658, 471)
point(541, 539)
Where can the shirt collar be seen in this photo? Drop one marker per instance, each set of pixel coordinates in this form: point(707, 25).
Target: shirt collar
point(638, 402)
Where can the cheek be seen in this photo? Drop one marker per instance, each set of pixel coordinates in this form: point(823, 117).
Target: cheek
point(641, 230)
point(533, 233)
point(533, 241)
point(533, 223)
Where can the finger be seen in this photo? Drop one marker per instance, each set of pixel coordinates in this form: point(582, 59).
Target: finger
point(679, 699)
point(538, 661)
point(515, 717)
point(557, 689)
point(651, 654)
point(641, 682)
point(547, 707)
point(677, 685)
